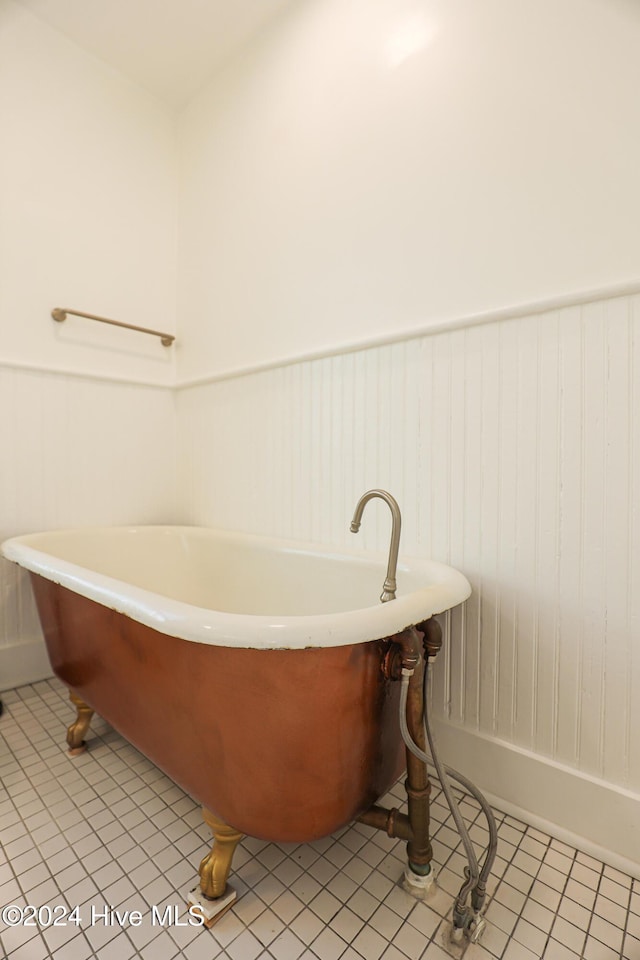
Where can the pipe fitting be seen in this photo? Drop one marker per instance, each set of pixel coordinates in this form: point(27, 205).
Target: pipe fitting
point(391, 663)
point(410, 649)
point(478, 895)
point(418, 794)
point(418, 881)
point(432, 636)
point(461, 916)
point(476, 928)
point(395, 824)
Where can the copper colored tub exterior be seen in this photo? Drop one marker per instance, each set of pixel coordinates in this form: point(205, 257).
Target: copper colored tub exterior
point(284, 745)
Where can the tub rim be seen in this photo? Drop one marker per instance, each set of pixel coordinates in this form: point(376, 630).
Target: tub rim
point(267, 632)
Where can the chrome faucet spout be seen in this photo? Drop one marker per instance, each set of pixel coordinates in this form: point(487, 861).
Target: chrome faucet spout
point(389, 586)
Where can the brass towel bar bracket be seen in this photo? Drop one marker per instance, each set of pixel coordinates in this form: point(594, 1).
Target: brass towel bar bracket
point(59, 314)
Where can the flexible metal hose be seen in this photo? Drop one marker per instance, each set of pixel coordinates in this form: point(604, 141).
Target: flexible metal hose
point(476, 878)
point(475, 793)
point(474, 872)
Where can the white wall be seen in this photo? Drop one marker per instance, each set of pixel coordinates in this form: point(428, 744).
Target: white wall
point(87, 221)
point(332, 197)
point(333, 191)
point(87, 207)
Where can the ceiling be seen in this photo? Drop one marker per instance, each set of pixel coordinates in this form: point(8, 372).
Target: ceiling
point(171, 47)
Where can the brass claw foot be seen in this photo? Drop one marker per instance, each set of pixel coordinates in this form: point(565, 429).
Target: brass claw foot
point(78, 729)
point(215, 867)
point(215, 897)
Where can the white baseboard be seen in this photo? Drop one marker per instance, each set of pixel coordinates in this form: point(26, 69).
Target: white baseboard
point(598, 818)
point(24, 662)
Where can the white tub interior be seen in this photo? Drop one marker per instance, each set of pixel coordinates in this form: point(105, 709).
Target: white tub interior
point(219, 586)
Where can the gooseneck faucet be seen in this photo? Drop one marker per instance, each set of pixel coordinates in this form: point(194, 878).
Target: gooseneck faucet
point(389, 586)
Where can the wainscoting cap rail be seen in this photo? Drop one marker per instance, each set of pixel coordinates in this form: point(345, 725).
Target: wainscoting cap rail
point(59, 314)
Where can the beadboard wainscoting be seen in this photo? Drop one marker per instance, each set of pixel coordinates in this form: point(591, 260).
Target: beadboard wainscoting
point(512, 448)
point(75, 451)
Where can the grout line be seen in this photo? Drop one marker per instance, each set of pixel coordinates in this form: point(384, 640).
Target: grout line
point(627, 915)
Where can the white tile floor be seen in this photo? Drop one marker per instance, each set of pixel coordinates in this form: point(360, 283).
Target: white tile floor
point(109, 829)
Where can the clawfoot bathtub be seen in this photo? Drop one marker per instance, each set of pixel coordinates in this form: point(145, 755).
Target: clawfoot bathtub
point(257, 674)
